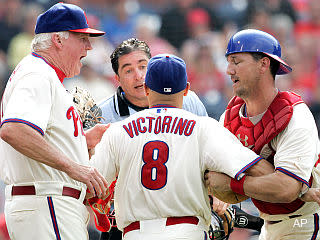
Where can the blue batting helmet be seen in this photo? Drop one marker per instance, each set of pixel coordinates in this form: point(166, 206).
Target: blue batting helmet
point(252, 40)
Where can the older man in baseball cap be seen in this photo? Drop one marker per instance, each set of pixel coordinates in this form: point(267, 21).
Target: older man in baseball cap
point(44, 156)
point(65, 17)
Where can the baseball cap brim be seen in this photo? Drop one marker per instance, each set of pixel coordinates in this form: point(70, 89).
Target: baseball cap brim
point(91, 31)
point(284, 68)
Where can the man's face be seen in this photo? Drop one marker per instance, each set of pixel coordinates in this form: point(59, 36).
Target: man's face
point(244, 73)
point(74, 49)
point(131, 74)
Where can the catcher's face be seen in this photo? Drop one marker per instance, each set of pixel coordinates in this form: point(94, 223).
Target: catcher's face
point(244, 73)
point(131, 73)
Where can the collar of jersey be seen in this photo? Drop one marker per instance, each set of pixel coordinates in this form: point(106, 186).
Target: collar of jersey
point(124, 104)
point(163, 106)
point(59, 73)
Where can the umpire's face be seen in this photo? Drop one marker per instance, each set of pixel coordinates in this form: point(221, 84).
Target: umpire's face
point(131, 73)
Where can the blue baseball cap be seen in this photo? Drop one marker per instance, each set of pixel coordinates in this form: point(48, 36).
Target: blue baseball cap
point(65, 17)
point(166, 74)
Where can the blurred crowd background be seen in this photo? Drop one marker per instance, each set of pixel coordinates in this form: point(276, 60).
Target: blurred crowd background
point(196, 30)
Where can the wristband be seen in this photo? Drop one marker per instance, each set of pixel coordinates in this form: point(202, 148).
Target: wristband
point(237, 186)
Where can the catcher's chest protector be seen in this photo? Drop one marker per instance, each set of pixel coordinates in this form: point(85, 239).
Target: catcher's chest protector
point(255, 137)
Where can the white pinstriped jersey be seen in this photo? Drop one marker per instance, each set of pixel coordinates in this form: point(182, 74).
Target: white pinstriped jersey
point(159, 156)
point(35, 96)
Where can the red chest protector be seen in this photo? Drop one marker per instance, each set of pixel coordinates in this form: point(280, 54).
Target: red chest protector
point(274, 121)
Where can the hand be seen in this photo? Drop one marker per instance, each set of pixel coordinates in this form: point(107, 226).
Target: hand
point(94, 135)
point(219, 206)
point(219, 186)
point(313, 195)
point(96, 183)
point(218, 181)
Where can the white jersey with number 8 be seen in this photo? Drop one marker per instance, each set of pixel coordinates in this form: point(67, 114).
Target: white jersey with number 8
point(159, 156)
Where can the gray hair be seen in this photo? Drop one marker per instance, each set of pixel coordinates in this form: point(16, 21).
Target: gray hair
point(42, 41)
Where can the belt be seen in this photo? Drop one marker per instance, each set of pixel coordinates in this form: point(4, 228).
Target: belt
point(31, 190)
point(169, 221)
point(292, 216)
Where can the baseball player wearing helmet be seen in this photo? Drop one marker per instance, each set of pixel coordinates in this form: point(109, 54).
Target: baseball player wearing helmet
point(278, 126)
point(44, 156)
point(159, 156)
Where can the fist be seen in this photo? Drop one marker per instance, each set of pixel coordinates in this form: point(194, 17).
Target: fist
point(219, 186)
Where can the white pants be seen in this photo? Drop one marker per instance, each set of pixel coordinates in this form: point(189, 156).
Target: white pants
point(156, 230)
point(304, 227)
point(46, 218)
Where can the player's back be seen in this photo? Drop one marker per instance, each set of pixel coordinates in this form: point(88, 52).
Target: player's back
point(159, 156)
point(156, 155)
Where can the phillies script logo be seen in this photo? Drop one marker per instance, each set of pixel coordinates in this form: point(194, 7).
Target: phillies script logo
point(72, 113)
point(244, 140)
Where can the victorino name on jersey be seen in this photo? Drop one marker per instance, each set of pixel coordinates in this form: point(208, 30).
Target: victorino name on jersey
point(161, 124)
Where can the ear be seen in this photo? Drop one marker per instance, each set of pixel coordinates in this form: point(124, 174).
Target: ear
point(265, 64)
point(117, 78)
point(56, 40)
point(146, 89)
point(186, 90)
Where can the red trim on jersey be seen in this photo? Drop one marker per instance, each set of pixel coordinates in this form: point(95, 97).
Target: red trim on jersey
point(25, 122)
point(249, 165)
point(59, 73)
point(285, 171)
